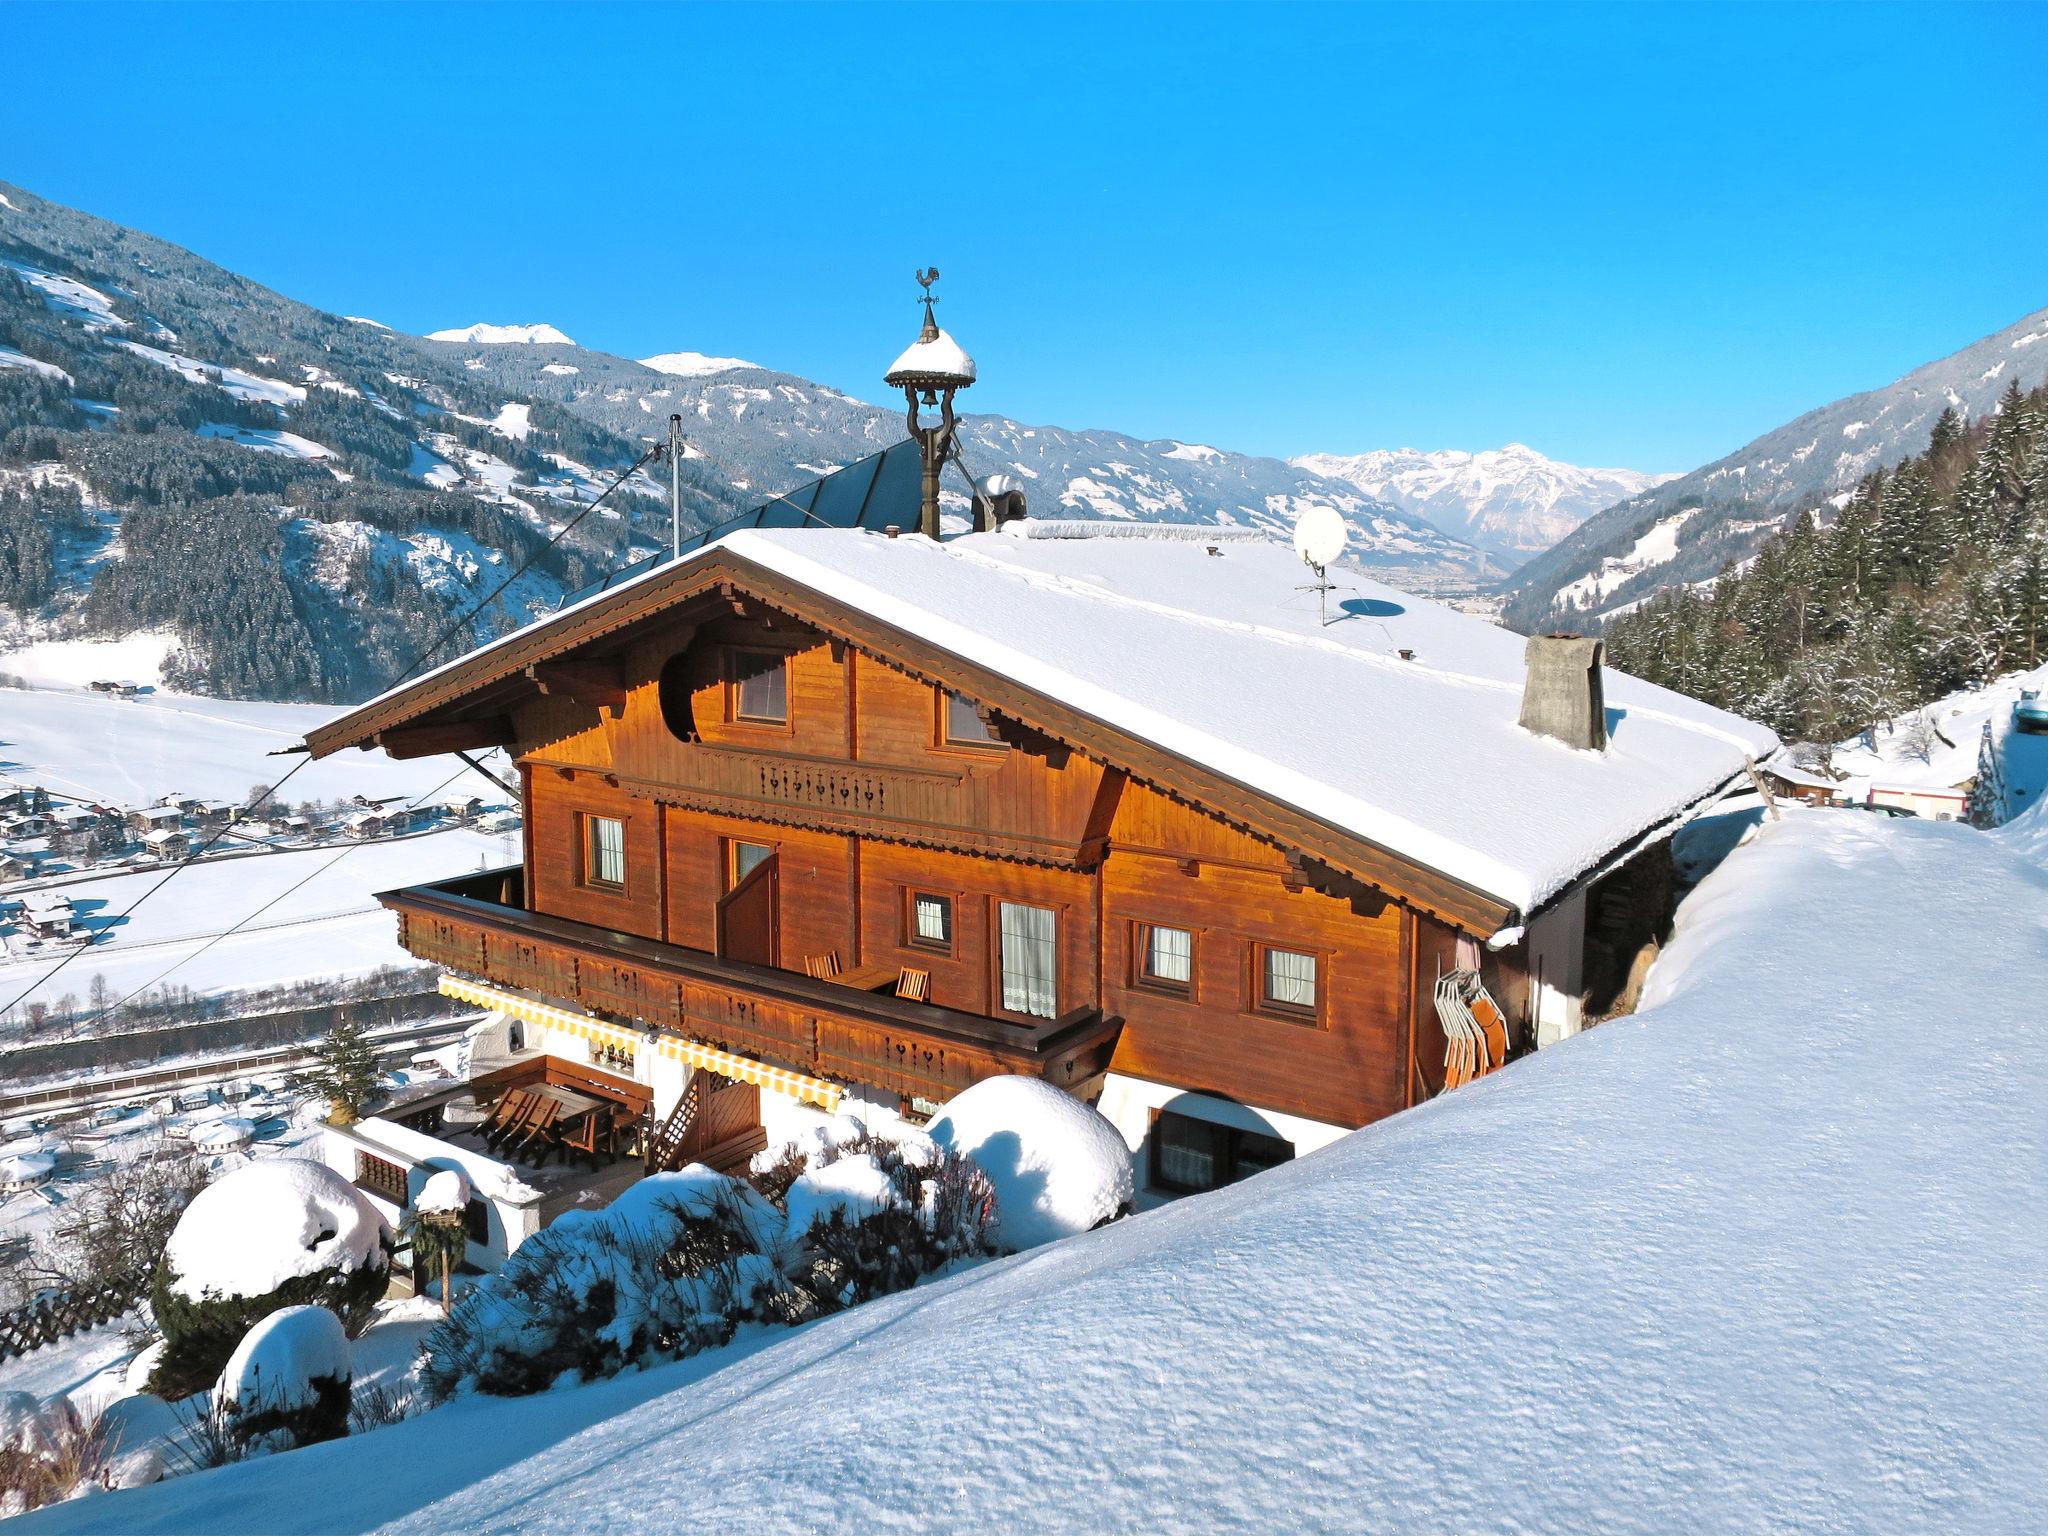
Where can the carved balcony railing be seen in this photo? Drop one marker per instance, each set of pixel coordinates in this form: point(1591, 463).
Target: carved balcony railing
point(475, 926)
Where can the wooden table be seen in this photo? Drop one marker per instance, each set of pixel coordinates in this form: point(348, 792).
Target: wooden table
point(571, 1121)
point(870, 978)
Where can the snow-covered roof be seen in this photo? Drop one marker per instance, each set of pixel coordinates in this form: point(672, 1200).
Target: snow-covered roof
point(940, 357)
point(46, 905)
point(1220, 659)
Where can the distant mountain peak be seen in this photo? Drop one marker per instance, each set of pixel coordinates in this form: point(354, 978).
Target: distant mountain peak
point(496, 335)
point(696, 365)
point(1514, 500)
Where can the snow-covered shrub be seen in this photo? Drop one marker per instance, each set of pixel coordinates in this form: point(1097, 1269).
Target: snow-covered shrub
point(275, 1234)
point(1057, 1165)
point(870, 1211)
point(674, 1265)
point(680, 1261)
point(287, 1383)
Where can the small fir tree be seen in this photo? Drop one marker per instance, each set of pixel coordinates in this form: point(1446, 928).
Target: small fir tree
point(347, 1072)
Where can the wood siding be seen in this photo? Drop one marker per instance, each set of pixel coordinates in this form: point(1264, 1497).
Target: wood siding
point(865, 804)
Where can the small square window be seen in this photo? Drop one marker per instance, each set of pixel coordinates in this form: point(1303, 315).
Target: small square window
point(964, 725)
point(604, 851)
point(931, 921)
point(1166, 957)
point(760, 687)
point(1287, 981)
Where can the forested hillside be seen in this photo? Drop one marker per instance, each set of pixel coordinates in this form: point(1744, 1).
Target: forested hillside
point(1933, 576)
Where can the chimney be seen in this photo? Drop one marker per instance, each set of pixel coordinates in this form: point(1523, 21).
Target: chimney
point(1562, 696)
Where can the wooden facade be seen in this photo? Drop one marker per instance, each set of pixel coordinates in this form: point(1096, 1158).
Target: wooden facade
point(725, 788)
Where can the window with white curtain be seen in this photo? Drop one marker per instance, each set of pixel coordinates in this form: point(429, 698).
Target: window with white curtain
point(1030, 959)
point(604, 859)
point(1169, 957)
point(1290, 979)
point(760, 687)
point(931, 921)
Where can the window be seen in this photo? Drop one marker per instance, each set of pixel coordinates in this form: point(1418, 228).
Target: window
point(476, 1222)
point(760, 687)
point(381, 1177)
point(1030, 956)
point(964, 725)
point(931, 921)
point(1190, 1155)
point(1287, 981)
point(1166, 957)
point(744, 859)
point(604, 851)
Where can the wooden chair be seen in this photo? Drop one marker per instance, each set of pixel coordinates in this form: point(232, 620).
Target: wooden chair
point(823, 967)
point(914, 984)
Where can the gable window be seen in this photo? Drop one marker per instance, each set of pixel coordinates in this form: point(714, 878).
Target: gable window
point(1287, 981)
point(743, 859)
point(1166, 957)
point(760, 687)
point(964, 725)
point(604, 852)
point(931, 921)
point(1030, 954)
point(1189, 1155)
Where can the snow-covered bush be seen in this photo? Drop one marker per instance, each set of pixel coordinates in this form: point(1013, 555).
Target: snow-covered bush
point(1058, 1166)
point(287, 1383)
point(674, 1265)
point(680, 1261)
point(277, 1233)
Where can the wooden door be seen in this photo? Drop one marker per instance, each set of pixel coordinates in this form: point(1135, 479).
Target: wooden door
point(747, 917)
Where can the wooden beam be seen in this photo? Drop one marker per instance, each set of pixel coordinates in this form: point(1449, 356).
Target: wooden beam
point(600, 683)
point(454, 736)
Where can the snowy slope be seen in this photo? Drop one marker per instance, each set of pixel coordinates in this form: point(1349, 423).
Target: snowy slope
point(501, 335)
point(1512, 501)
point(1761, 1257)
point(1892, 754)
point(1725, 509)
point(692, 365)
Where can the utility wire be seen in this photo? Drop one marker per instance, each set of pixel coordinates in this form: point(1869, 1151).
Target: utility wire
point(416, 663)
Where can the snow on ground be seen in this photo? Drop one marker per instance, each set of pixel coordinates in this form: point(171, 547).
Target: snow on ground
point(265, 440)
point(9, 358)
point(330, 926)
point(494, 335)
point(243, 386)
point(137, 657)
point(1657, 546)
point(70, 298)
point(693, 365)
point(131, 752)
point(1761, 1257)
point(1888, 754)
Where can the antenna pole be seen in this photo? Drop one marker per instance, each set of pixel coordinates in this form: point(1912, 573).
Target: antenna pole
point(675, 485)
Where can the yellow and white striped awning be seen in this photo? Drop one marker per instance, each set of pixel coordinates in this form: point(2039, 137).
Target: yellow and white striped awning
point(693, 1053)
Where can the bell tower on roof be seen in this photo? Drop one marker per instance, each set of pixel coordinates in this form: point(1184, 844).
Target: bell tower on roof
point(928, 373)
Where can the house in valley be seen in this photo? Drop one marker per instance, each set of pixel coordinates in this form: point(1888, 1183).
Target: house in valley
point(856, 814)
point(46, 915)
point(155, 818)
point(166, 844)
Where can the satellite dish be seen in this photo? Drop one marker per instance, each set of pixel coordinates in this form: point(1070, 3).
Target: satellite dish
point(1320, 536)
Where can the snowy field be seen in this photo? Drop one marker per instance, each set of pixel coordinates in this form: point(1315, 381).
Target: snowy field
point(1765, 1256)
point(1891, 756)
point(330, 926)
point(130, 752)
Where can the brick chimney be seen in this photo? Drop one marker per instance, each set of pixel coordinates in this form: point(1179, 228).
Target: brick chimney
point(1562, 695)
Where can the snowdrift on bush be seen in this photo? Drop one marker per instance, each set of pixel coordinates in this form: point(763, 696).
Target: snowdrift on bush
point(287, 1383)
point(1058, 1166)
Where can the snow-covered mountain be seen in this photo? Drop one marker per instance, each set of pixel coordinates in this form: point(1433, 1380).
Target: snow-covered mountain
point(1687, 529)
point(306, 499)
point(692, 365)
point(504, 335)
point(1512, 501)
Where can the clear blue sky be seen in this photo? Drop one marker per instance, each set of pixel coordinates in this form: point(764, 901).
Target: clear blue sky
point(1624, 235)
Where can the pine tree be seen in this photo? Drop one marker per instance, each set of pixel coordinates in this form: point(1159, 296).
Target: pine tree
point(347, 1072)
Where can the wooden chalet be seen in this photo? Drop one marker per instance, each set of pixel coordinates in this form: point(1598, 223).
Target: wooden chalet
point(856, 814)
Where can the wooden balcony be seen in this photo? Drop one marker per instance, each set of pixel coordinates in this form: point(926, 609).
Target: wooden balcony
point(477, 926)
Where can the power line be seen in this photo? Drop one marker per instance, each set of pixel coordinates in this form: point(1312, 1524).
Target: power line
point(416, 663)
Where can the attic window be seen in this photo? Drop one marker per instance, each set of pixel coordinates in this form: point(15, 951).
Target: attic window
point(760, 687)
point(964, 726)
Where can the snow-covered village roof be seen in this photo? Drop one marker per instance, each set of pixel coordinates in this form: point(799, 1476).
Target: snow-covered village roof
point(1220, 659)
point(1756, 1259)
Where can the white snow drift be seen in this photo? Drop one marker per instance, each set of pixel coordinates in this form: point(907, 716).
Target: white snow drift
point(270, 1222)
